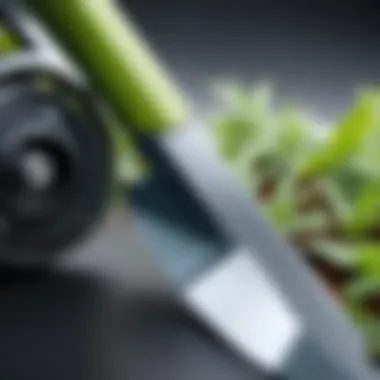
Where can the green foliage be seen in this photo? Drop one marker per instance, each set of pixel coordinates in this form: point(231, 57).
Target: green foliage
point(325, 186)
point(282, 210)
point(341, 254)
point(7, 41)
point(245, 114)
point(347, 136)
point(365, 209)
point(368, 260)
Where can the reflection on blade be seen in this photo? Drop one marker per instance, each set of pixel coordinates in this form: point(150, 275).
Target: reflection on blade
point(240, 302)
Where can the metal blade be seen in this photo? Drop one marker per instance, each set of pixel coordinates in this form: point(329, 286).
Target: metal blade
point(233, 271)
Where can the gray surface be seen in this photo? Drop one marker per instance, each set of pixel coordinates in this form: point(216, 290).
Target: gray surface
point(116, 250)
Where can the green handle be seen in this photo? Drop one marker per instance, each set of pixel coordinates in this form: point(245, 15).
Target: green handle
point(103, 41)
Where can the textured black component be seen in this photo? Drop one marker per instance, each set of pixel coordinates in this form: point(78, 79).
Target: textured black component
point(55, 168)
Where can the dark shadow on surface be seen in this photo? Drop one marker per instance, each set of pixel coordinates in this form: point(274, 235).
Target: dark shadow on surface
point(57, 326)
point(79, 326)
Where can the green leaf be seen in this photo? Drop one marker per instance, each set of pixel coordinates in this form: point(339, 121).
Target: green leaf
point(347, 136)
point(281, 210)
point(336, 197)
point(349, 178)
point(293, 131)
point(363, 257)
point(340, 254)
point(237, 99)
point(368, 260)
point(233, 134)
point(365, 209)
point(361, 288)
point(367, 160)
point(245, 116)
point(244, 163)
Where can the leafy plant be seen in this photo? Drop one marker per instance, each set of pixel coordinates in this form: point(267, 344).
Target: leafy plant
point(320, 189)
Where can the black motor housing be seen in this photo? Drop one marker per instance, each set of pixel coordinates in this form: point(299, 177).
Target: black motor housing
point(55, 167)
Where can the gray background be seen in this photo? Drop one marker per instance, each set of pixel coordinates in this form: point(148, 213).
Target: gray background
point(317, 52)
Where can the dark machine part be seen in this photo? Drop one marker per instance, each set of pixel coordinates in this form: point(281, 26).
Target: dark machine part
point(55, 166)
point(55, 152)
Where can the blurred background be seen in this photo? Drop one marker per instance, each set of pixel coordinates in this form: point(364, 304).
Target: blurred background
point(316, 52)
point(107, 310)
